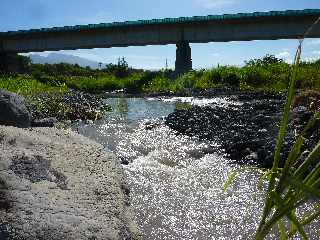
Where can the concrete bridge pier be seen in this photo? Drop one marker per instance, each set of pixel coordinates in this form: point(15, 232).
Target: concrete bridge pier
point(183, 58)
point(9, 62)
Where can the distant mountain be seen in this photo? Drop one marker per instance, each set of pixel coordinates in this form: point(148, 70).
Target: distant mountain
point(64, 58)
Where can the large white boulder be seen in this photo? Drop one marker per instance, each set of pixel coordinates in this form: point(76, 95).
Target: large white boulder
point(56, 184)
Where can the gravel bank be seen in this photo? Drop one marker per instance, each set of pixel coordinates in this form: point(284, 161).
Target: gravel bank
point(247, 132)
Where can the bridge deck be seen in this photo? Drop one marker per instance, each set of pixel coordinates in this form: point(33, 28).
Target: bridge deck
point(289, 24)
point(194, 19)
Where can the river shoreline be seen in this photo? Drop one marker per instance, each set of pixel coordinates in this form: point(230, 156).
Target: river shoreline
point(246, 133)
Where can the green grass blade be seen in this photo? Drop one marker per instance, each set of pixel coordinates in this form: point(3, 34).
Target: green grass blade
point(304, 189)
point(282, 230)
point(306, 220)
point(264, 176)
point(293, 218)
point(229, 181)
point(312, 157)
point(312, 122)
point(312, 217)
point(293, 156)
point(309, 160)
point(281, 135)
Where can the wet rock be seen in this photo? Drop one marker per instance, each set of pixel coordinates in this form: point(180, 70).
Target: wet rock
point(13, 111)
point(45, 122)
point(124, 161)
point(88, 122)
point(245, 132)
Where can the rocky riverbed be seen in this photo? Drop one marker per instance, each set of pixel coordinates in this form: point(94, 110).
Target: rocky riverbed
point(70, 106)
point(247, 132)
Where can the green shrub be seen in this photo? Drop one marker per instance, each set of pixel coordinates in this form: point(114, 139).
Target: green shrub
point(26, 85)
point(159, 84)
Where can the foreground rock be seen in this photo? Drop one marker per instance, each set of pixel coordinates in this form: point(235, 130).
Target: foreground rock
point(56, 185)
point(13, 110)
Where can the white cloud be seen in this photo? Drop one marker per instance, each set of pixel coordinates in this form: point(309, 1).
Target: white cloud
point(215, 3)
point(215, 54)
point(285, 55)
point(316, 52)
point(43, 54)
point(313, 42)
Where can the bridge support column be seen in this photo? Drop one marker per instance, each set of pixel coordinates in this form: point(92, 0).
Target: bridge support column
point(9, 62)
point(183, 58)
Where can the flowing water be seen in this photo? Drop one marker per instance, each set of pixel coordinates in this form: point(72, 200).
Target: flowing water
point(177, 181)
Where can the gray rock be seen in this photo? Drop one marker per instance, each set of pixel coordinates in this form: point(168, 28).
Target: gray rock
point(88, 122)
point(45, 122)
point(58, 185)
point(13, 111)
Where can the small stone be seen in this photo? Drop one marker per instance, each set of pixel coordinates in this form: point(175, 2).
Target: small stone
point(263, 130)
point(300, 109)
point(125, 162)
point(88, 121)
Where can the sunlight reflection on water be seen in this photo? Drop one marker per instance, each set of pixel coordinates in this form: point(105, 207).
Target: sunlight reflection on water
point(176, 186)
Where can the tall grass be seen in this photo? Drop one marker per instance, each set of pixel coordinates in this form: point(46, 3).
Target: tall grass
point(294, 184)
point(26, 85)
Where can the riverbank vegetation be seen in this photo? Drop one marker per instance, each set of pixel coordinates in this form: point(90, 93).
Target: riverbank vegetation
point(58, 81)
point(268, 74)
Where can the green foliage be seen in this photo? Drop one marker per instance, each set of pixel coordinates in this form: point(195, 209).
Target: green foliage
point(268, 73)
point(160, 83)
point(26, 85)
point(93, 84)
point(265, 61)
point(120, 70)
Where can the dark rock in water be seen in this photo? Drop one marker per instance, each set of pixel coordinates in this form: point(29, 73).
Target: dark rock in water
point(4, 234)
point(247, 132)
point(45, 122)
point(13, 111)
point(124, 161)
point(149, 125)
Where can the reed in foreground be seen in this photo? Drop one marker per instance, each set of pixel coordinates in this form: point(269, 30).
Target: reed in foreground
point(294, 184)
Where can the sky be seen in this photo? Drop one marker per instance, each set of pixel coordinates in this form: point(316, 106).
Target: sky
point(26, 14)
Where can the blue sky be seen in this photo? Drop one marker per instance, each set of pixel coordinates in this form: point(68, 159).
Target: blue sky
point(25, 14)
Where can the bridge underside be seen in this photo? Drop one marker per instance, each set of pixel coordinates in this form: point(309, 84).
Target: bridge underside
point(9, 61)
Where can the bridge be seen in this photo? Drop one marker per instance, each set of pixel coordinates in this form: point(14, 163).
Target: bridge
point(291, 24)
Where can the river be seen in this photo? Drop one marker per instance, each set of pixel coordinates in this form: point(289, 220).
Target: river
point(176, 181)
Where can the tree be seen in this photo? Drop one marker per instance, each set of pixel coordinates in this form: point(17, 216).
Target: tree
point(121, 69)
point(265, 61)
